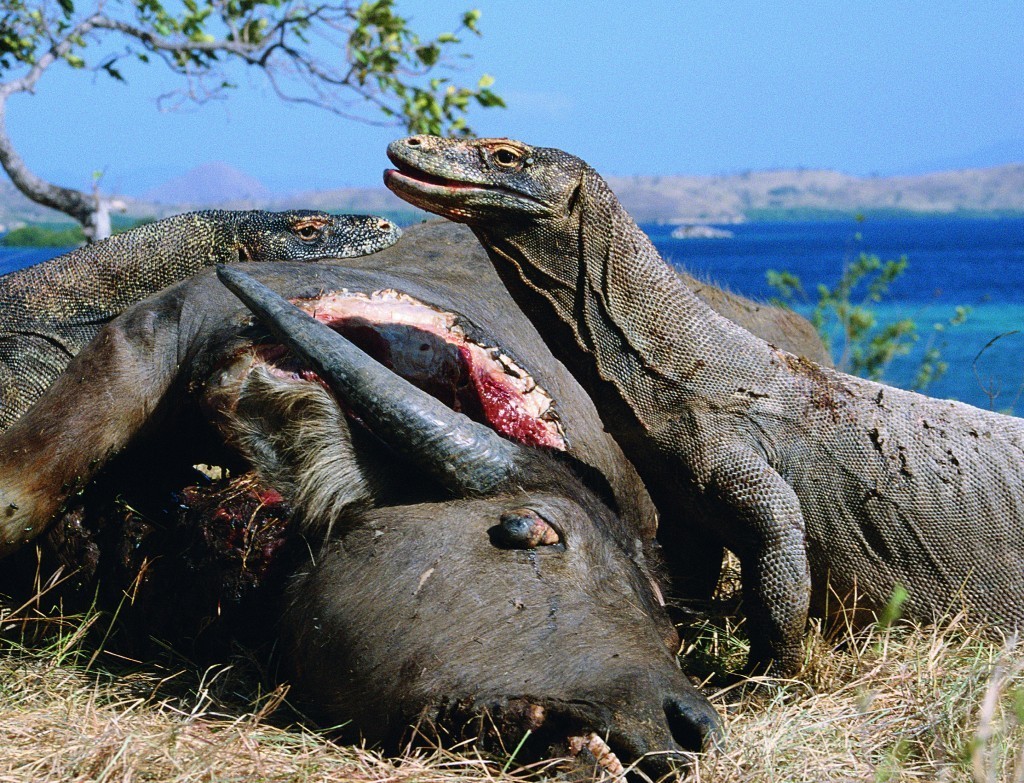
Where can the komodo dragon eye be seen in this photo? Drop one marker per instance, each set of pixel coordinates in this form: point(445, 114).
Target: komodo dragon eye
point(523, 528)
point(308, 231)
point(507, 158)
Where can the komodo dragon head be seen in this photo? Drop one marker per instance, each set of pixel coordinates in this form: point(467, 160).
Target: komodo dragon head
point(484, 179)
point(303, 234)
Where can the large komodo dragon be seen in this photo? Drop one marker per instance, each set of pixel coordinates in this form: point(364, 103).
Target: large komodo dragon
point(809, 475)
point(48, 312)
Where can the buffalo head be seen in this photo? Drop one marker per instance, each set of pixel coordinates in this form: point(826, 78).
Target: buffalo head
point(436, 573)
point(516, 605)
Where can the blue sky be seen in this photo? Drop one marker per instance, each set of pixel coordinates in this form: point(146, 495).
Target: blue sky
point(634, 88)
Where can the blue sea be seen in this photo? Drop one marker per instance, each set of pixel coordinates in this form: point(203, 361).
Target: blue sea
point(952, 261)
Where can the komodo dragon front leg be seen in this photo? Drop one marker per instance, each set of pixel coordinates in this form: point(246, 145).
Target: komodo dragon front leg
point(769, 538)
point(48, 312)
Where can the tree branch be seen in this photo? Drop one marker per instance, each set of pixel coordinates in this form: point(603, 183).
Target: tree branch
point(378, 59)
point(156, 43)
point(79, 205)
point(58, 50)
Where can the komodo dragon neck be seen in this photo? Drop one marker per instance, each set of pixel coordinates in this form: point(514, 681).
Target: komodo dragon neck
point(645, 342)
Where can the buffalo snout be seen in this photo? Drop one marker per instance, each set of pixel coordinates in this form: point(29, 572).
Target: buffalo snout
point(557, 650)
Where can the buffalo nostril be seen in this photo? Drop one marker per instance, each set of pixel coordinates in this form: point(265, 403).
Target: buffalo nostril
point(693, 727)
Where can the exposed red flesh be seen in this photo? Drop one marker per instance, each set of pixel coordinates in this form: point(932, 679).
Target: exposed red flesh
point(428, 347)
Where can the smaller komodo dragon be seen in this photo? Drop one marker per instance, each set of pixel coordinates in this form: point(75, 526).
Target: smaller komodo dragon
point(48, 312)
point(814, 478)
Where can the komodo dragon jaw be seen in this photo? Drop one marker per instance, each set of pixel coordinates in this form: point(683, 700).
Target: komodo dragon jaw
point(812, 477)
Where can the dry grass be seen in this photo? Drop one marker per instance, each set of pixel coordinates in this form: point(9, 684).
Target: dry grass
point(908, 703)
point(61, 723)
point(898, 704)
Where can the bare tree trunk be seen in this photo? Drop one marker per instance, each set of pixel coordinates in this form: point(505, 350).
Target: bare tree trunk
point(99, 225)
point(89, 209)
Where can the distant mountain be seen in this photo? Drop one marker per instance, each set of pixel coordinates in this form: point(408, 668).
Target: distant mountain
point(377, 200)
point(812, 193)
point(1002, 154)
point(209, 183)
point(16, 209)
point(683, 199)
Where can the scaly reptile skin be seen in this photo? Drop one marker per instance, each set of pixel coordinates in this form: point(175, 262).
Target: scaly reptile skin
point(48, 312)
point(815, 479)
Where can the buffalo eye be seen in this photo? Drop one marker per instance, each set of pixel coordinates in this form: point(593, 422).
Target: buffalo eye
point(523, 528)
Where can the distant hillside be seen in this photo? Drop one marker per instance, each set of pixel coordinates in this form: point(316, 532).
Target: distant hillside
point(763, 194)
point(738, 197)
point(754, 195)
point(1002, 153)
point(209, 183)
point(16, 210)
point(372, 200)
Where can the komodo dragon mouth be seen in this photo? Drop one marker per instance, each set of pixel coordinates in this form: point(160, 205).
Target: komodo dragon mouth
point(428, 191)
point(430, 348)
point(450, 197)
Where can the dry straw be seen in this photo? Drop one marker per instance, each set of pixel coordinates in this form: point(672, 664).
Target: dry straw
point(897, 703)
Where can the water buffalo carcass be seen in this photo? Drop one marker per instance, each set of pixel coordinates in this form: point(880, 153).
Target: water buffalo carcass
point(497, 593)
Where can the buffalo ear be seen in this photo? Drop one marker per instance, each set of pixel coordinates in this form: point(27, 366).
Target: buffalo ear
point(466, 457)
point(299, 441)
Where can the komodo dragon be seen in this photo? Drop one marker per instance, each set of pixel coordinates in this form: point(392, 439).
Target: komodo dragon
point(809, 475)
point(48, 312)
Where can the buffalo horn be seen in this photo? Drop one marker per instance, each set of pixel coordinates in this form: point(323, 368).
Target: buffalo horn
point(466, 457)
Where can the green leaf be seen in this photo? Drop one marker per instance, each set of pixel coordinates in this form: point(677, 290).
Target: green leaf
point(894, 608)
point(488, 99)
point(470, 19)
point(428, 55)
point(112, 72)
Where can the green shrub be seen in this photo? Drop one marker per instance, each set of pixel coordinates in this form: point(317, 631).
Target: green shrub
point(845, 318)
point(57, 235)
